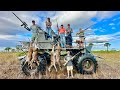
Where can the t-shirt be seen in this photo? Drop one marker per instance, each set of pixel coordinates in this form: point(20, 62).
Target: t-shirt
point(69, 61)
point(69, 29)
point(35, 28)
point(48, 24)
point(62, 30)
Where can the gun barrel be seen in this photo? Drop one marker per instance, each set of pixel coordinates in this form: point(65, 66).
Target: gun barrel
point(23, 23)
point(18, 17)
point(90, 26)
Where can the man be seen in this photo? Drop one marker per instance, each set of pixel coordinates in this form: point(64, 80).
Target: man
point(69, 36)
point(48, 27)
point(35, 30)
point(69, 64)
point(62, 32)
point(82, 38)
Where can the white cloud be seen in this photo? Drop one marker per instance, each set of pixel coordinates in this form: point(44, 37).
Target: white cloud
point(111, 24)
point(101, 38)
point(106, 14)
point(11, 31)
point(114, 19)
point(77, 19)
point(113, 27)
point(101, 29)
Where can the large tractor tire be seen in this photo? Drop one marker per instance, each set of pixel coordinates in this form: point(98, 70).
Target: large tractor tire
point(44, 60)
point(43, 64)
point(87, 65)
point(41, 68)
point(25, 69)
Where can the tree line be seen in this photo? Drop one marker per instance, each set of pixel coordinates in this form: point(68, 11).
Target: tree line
point(107, 45)
point(9, 49)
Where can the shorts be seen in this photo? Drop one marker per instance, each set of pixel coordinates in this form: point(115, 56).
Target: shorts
point(69, 68)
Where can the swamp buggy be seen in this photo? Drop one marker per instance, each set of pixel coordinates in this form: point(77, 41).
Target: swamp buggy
point(85, 62)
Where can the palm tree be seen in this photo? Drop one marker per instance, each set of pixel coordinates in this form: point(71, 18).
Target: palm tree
point(107, 45)
point(7, 49)
point(91, 44)
point(13, 50)
point(18, 48)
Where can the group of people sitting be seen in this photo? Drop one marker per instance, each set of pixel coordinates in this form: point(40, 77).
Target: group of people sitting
point(65, 34)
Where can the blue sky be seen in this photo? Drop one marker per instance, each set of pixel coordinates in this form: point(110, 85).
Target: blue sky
point(106, 26)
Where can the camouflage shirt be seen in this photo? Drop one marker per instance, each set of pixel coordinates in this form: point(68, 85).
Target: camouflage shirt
point(34, 28)
point(81, 34)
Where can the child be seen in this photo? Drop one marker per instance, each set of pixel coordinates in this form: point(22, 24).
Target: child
point(69, 64)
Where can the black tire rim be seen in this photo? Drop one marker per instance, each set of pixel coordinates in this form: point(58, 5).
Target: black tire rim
point(88, 65)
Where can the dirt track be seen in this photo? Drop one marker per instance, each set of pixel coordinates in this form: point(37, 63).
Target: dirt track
point(107, 69)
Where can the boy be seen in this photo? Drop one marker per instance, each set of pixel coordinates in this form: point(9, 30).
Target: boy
point(69, 63)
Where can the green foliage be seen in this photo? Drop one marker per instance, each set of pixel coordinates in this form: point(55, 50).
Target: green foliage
point(91, 44)
point(8, 49)
point(107, 45)
point(20, 54)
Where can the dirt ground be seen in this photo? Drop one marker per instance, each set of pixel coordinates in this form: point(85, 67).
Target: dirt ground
point(107, 69)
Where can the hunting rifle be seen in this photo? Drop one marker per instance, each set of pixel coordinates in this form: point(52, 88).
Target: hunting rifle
point(89, 27)
point(23, 23)
point(26, 26)
point(71, 58)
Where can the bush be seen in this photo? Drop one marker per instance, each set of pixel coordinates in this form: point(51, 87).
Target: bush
point(20, 54)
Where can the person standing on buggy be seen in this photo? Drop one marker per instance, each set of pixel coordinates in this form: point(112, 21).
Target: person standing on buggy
point(35, 30)
point(69, 36)
point(62, 32)
point(48, 28)
point(81, 38)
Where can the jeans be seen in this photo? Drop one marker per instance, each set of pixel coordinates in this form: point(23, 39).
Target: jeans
point(49, 31)
point(69, 40)
point(62, 39)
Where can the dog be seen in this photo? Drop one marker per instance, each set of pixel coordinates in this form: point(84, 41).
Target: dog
point(55, 57)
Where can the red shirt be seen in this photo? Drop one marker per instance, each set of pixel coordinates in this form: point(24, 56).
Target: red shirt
point(62, 30)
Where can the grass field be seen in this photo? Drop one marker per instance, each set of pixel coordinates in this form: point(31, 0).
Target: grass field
point(107, 69)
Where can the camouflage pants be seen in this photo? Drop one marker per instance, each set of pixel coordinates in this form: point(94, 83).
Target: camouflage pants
point(34, 37)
